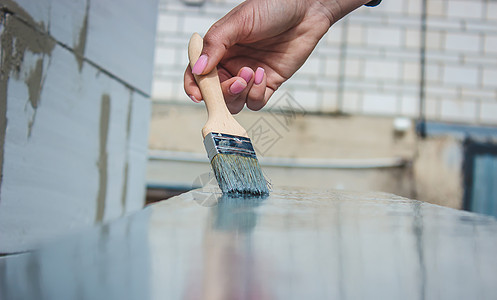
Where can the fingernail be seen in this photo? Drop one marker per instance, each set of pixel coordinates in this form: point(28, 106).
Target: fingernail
point(237, 87)
point(194, 99)
point(246, 74)
point(259, 75)
point(200, 65)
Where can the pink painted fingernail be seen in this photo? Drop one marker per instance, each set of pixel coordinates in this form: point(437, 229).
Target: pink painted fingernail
point(237, 87)
point(200, 65)
point(194, 99)
point(246, 74)
point(259, 75)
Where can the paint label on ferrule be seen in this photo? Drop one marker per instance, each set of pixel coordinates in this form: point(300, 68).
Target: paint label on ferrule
point(216, 143)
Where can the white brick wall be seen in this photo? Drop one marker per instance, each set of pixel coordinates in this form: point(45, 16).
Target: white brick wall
point(411, 72)
point(460, 75)
point(432, 108)
point(382, 70)
point(312, 98)
point(351, 102)
point(382, 104)
point(488, 112)
point(356, 34)
point(312, 66)
point(383, 36)
point(332, 67)
point(354, 68)
point(464, 9)
point(490, 78)
point(334, 37)
point(167, 23)
point(412, 38)
point(330, 102)
point(409, 106)
point(436, 8)
point(490, 45)
point(197, 23)
point(453, 110)
point(491, 11)
point(434, 40)
point(376, 52)
point(462, 42)
point(413, 7)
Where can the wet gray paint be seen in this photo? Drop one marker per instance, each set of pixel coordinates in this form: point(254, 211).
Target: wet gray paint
point(417, 229)
point(294, 244)
point(20, 34)
point(102, 160)
point(80, 46)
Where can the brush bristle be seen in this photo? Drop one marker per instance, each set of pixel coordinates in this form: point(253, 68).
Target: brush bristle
point(238, 174)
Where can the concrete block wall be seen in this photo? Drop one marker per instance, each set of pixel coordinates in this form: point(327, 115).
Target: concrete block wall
point(369, 62)
point(74, 95)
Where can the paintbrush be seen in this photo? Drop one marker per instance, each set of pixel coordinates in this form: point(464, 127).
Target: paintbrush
point(228, 145)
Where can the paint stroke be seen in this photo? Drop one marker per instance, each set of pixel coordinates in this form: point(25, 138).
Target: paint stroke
point(103, 155)
point(124, 192)
point(19, 34)
point(79, 48)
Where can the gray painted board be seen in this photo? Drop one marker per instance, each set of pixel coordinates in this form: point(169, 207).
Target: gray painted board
point(294, 244)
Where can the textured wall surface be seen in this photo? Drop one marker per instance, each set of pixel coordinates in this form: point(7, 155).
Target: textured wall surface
point(370, 62)
point(75, 80)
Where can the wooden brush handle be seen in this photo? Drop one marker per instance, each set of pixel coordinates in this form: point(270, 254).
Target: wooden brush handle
point(219, 118)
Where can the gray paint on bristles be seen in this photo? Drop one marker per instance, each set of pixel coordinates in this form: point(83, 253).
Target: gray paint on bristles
point(235, 164)
point(238, 174)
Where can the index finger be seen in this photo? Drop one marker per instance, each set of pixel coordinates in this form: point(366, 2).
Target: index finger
point(190, 86)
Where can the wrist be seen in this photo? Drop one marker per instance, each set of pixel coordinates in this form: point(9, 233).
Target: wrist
point(338, 9)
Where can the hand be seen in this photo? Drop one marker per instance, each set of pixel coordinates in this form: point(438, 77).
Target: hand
point(260, 44)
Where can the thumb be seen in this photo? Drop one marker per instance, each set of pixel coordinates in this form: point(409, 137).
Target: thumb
point(220, 37)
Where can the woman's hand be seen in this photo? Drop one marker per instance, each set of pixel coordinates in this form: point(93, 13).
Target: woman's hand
point(260, 44)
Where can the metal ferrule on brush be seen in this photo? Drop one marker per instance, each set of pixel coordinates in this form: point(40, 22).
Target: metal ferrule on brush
point(220, 143)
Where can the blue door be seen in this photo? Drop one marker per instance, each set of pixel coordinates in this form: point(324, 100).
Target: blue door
point(481, 178)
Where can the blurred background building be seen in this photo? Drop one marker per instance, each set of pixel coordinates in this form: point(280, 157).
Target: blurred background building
point(399, 98)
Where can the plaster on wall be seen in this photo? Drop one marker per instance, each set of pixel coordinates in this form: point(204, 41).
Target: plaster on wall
point(16, 39)
point(102, 161)
point(80, 46)
point(126, 159)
